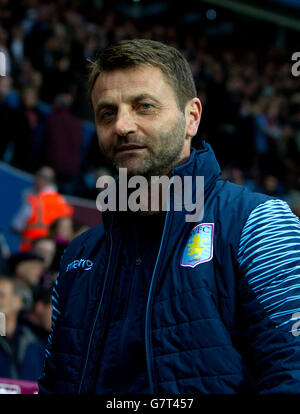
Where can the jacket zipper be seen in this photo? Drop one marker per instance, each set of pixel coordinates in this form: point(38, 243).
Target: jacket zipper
point(97, 313)
point(127, 314)
point(148, 343)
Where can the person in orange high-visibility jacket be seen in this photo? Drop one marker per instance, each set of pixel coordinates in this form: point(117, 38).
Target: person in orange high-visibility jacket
point(41, 208)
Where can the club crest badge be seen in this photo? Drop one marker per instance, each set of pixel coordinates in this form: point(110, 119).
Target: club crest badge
point(199, 247)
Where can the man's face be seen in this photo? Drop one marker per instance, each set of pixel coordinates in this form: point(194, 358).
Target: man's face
point(9, 302)
point(43, 313)
point(30, 271)
point(45, 249)
point(139, 124)
point(29, 97)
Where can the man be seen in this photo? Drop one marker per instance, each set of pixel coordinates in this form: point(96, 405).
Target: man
point(41, 208)
point(45, 247)
point(38, 317)
point(151, 303)
point(63, 143)
point(27, 267)
point(29, 135)
point(21, 352)
point(6, 116)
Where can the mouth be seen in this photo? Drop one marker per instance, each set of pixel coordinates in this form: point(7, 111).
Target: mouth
point(130, 148)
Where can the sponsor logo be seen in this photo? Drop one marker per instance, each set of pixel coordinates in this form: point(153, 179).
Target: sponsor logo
point(84, 264)
point(199, 247)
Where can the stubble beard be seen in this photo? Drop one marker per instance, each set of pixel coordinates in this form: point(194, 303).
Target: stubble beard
point(160, 161)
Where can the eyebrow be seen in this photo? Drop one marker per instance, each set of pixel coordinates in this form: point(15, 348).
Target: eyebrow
point(105, 104)
point(132, 98)
point(142, 96)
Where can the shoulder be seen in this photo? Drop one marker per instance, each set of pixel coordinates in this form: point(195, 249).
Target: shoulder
point(237, 201)
point(28, 338)
point(231, 207)
point(270, 221)
point(234, 192)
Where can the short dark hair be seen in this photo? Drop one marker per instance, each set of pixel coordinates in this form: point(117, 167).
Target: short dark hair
point(144, 52)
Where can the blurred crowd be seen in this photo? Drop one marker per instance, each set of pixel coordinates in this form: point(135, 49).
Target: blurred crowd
point(251, 117)
point(251, 101)
point(27, 279)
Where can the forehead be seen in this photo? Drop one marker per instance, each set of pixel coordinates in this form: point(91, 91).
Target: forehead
point(122, 83)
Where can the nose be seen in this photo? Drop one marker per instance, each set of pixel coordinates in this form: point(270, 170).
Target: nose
point(125, 123)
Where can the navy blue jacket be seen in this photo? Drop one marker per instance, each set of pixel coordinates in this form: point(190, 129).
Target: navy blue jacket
point(223, 302)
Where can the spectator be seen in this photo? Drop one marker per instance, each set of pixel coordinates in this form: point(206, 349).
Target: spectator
point(21, 352)
point(58, 80)
point(90, 180)
point(6, 116)
point(63, 133)
point(267, 132)
point(29, 134)
point(4, 253)
point(27, 267)
point(46, 248)
point(288, 155)
point(38, 32)
point(28, 75)
point(62, 232)
point(38, 318)
point(236, 175)
point(273, 187)
point(294, 197)
point(40, 209)
point(17, 47)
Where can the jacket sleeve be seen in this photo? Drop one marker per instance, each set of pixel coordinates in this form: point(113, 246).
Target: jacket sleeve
point(46, 382)
point(269, 262)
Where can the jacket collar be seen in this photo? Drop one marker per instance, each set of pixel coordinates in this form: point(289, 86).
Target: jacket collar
point(202, 162)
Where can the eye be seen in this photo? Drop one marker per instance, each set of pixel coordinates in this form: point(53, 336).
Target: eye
point(145, 106)
point(106, 115)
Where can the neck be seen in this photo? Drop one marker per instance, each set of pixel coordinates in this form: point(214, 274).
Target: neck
point(154, 194)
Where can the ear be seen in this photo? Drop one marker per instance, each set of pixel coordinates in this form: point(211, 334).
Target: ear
point(193, 111)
